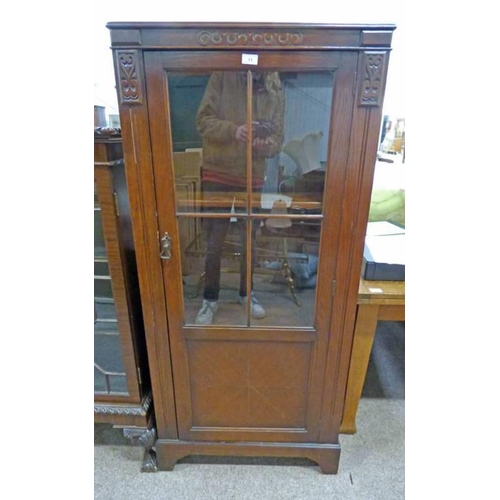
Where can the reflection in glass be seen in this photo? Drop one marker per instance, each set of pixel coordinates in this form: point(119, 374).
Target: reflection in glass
point(214, 289)
point(286, 271)
point(296, 173)
point(209, 113)
point(219, 205)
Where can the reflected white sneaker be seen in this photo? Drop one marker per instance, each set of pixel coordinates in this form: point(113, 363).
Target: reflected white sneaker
point(206, 313)
point(257, 311)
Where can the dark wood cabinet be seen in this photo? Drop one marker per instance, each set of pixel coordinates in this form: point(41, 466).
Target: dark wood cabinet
point(249, 257)
point(122, 389)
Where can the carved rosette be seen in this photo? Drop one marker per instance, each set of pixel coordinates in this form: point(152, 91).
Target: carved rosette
point(373, 74)
point(207, 38)
point(130, 87)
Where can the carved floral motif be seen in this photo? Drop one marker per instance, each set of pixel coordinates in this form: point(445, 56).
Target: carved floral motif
point(130, 84)
point(248, 38)
point(372, 81)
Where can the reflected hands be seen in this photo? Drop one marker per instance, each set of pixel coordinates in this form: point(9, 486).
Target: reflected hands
point(262, 147)
point(242, 132)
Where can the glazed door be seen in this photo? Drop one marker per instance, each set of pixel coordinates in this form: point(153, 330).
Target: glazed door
point(249, 157)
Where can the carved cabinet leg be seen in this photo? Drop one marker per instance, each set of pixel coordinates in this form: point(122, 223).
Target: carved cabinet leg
point(147, 439)
point(328, 461)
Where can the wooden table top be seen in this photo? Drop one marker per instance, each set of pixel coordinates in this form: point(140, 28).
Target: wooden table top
point(381, 292)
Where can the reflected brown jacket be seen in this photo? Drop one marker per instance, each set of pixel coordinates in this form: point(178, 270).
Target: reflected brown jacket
point(222, 110)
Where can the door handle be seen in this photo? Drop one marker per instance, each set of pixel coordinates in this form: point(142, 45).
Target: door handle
point(166, 247)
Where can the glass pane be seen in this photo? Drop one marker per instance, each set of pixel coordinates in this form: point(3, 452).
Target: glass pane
point(99, 246)
point(104, 313)
point(109, 372)
point(100, 381)
point(285, 273)
point(291, 116)
point(101, 267)
point(118, 383)
point(209, 119)
point(214, 271)
point(290, 123)
point(102, 288)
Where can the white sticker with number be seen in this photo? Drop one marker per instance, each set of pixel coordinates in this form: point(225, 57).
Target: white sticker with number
point(252, 59)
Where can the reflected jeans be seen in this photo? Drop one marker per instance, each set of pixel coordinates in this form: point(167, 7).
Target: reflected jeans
point(216, 230)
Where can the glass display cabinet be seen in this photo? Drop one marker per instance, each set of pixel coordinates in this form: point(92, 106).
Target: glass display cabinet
point(249, 153)
point(122, 390)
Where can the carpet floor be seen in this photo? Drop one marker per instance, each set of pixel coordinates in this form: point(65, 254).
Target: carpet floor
point(371, 463)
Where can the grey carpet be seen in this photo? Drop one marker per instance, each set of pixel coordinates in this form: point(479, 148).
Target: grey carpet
point(371, 463)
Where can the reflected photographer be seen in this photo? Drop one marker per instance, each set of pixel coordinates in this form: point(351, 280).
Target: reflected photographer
point(222, 124)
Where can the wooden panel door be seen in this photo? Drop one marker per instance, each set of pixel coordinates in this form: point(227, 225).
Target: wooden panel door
point(251, 320)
